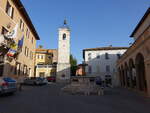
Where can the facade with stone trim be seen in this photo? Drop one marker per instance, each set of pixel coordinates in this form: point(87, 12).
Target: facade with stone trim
point(134, 65)
point(12, 13)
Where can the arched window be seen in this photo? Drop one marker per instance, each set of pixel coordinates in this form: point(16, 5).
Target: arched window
point(64, 36)
point(106, 56)
point(89, 69)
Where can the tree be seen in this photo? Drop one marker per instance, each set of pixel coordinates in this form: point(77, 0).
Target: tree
point(40, 47)
point(73, 62)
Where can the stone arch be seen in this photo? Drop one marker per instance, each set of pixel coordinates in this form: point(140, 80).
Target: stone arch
point(132, 73)
point(127, 77)
point(140, 72)
point(123, 75)
point(120, 76)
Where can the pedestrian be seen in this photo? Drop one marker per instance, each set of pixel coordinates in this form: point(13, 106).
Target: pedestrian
point(20, 82)
point(20, 86)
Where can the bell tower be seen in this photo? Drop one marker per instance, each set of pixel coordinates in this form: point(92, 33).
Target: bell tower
point(63, 66)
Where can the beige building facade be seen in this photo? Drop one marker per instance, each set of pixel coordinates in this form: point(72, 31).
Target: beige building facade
point(13, 15)
point(46, 61)
point(134, 65)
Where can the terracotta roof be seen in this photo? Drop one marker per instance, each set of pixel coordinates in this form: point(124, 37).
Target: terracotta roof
point(45, 50)
point(104, 48)
point(141, 21)
point(23, 11)
point(52, 50)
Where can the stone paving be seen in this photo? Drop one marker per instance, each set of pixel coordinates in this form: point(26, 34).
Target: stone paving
point(49, 99)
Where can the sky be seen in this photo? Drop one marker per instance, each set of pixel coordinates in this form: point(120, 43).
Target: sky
point(93, 23)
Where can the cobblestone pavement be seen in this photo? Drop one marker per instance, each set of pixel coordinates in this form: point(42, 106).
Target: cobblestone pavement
point(49, 99)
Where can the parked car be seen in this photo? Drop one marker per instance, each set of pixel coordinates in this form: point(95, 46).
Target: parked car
point(43, 80)
point(98, 80)
point(51, 79)
point(35, 81)
point(7, 85)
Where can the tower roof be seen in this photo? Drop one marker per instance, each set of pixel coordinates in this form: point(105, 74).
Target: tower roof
point(65, 25)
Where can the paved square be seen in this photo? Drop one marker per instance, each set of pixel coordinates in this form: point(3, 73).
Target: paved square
point(49, 99)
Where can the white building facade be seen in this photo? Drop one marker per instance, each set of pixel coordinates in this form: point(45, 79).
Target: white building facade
point(102, 62)
point(63, 66)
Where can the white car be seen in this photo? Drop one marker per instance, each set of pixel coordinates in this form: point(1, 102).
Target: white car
point(7, 85)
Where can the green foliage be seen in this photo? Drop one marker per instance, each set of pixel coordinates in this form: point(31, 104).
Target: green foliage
point(40, 47)
point(73, 62)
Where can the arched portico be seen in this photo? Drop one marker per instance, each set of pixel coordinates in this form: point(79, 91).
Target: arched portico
point(132, 74)
point(140, 72)
point(127, 77)
point(120, 76)
point(123, 76)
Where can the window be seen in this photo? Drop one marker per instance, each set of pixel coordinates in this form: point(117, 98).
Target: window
point(38, 56)
point(32, 40)
point(41, 56)
point(90, 69)
point(98, 56)
point(15, 72)
point(106, 56)
point(107, 68)
point(118, 55)
point(1, 70)
point(18, 65)
point(64, 36)
point(98, 69)
point(27, 33)
point(9, 10)
point(21, 25)
point(4, 31)
point(25, 69)
point(29, 71)
point(17, 68)
point(89, 56)
point(25, 52)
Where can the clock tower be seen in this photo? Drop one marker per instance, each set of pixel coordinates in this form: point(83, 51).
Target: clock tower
point(63, 66)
